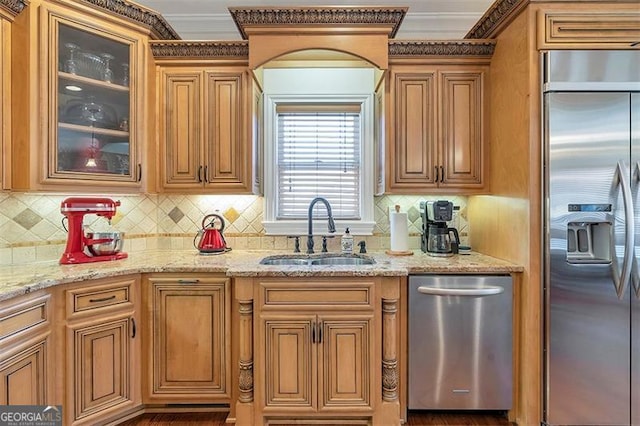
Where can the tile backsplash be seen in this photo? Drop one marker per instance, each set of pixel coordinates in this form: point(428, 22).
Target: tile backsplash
point(32, 229)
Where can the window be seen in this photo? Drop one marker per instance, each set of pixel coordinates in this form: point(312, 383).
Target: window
point(317, 147)
point(318, 154)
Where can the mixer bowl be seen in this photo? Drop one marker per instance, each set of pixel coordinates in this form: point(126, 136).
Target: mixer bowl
point(113, 244)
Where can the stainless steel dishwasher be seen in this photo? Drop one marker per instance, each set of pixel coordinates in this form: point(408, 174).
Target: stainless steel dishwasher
point(460, 333)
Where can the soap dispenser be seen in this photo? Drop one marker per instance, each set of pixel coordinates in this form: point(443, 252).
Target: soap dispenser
point(347, 242)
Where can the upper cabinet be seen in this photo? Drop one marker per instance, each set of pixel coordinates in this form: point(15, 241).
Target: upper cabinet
point(85, 98)
point(436, 117)
point(8, 11)
point(93, 93)
point(206, 113)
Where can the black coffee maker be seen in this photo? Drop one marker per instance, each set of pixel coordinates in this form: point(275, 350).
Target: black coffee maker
point(438, 239)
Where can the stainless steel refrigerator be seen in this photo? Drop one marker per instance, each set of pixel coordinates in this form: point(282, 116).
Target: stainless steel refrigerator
point(592, 237)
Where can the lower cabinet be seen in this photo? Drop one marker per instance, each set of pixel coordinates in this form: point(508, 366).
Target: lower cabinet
point(25, 351)
point(187, 343)
point(22, 376)
point(318, 363)
point(102, 350)
point(325, 350)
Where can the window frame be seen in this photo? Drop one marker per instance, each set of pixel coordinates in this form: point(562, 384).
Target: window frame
point(274, 226)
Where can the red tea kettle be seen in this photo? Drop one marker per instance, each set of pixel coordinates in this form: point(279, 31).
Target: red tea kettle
point(211, 238)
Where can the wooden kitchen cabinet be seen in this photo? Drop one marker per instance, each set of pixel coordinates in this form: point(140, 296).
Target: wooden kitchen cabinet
point(83, 88)
point(7, 14)
point(317, 363)
point(102, 349)
point(436, 129)
point(205, 129)
point(26, 357)
point(187, 330)
point(318, 349)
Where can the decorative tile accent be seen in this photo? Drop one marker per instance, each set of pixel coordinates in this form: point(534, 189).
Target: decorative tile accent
point(231, 215)
point(176, 214)
point(27, 218)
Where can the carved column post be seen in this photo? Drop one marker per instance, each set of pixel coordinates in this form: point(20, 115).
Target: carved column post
point(389, 350)
point(245, 381)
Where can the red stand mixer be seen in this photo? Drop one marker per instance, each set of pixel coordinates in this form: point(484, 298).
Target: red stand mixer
point(97, 249)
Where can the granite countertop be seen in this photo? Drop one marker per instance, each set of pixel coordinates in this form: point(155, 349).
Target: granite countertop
point(20, 279)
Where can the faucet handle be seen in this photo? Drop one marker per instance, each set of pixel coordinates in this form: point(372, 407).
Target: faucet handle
point(324, 242)
point(296, 246)
point(363, 246)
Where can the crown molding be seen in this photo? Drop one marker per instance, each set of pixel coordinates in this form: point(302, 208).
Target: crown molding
point(13, 7)
point(245, 17)
point(237, 49)
point(147, 17)
point(419, 48)
point(499, 14)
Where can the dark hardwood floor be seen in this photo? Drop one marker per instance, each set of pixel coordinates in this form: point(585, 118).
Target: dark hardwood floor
point(418, 418)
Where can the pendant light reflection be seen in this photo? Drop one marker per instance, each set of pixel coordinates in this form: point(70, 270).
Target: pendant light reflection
point(91, 154)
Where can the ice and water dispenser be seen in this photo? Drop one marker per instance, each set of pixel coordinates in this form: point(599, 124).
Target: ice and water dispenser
point(590, 241)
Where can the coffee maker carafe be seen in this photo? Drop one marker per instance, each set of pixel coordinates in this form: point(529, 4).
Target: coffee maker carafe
point(438, 238)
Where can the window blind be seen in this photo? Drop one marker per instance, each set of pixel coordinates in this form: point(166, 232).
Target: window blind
point(318, 155)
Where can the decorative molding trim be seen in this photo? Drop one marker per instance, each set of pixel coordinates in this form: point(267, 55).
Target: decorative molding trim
point(389, 350)
point(139, 14)
point(245, 361)
point(321, 15)
point(501, 12)
point(200, 49)
point(412, 48)
point(389, 380)
point(14, 7)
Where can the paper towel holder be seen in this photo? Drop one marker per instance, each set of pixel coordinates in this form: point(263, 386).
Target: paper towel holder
point(399, 252)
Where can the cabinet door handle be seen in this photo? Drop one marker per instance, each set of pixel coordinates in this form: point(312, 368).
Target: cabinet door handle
point(188, 281)
point(313, 332)
point(320, 332)
point(206, 174)
point(102, 299)
point(139, 177)
point(435, 179)
point(133, 327)
point(200, 174)
point(441, 174)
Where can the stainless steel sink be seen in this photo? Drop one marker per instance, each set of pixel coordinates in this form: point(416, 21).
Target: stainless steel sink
point(319, 260)
point(271, 260)
point(342, 260)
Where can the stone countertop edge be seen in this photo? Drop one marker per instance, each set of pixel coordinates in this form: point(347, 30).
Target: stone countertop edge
point(16, 280)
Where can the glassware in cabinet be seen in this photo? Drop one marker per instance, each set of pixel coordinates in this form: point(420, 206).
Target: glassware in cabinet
point(93, 104)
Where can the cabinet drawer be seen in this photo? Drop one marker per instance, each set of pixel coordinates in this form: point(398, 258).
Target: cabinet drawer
point(20, 317)
point(342, 293)
point(114, 294)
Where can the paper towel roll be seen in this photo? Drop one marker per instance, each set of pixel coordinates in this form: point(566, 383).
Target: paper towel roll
point(399, 231)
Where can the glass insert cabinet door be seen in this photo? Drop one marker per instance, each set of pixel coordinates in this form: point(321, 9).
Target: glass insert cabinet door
point(93, 93)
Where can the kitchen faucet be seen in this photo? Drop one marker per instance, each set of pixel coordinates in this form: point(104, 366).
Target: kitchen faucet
point(332, 225)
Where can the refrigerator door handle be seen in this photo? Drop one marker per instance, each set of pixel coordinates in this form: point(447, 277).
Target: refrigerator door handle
point(621, 279)
point(635, 272)
point(484, 291)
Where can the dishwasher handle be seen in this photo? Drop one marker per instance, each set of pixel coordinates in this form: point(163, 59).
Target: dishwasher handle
point(484, 291)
